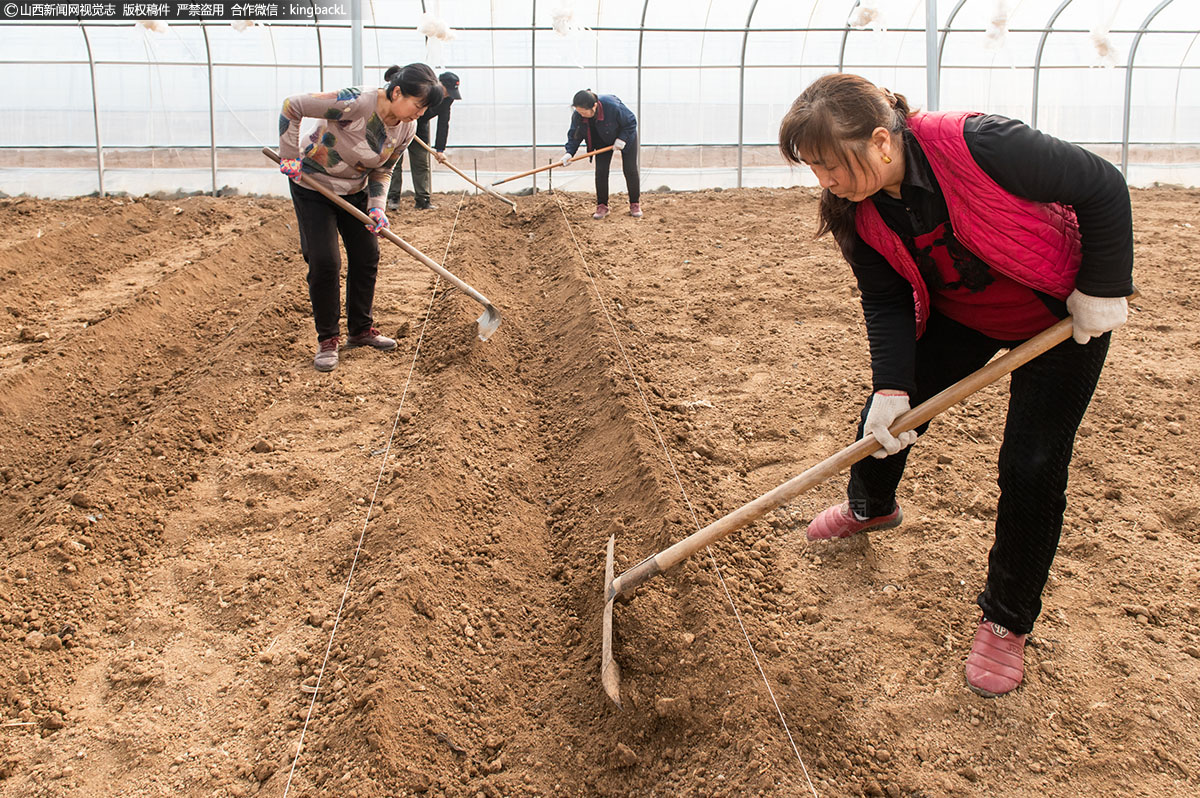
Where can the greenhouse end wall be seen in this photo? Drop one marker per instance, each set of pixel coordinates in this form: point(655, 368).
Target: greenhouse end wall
point(188, 108)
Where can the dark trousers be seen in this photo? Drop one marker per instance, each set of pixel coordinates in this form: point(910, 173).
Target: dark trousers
point(1047, 400)
point(422, 173)
point(320, 222)
point(629, 165)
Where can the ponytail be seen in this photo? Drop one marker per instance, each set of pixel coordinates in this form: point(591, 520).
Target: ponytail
point(900, 107)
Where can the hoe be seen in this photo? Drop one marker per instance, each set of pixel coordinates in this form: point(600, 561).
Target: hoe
point(554, 165)
point(490, 319)
point(623, 586)
point(463, 175)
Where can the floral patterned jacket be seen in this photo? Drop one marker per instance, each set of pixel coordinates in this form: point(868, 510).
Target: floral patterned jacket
point(351, 148)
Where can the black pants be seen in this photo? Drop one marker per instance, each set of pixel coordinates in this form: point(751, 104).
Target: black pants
point(629, 165)
point(320, 222)
point(1047, 400)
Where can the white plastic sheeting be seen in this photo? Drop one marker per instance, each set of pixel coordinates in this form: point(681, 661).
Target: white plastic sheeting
point(186, 108)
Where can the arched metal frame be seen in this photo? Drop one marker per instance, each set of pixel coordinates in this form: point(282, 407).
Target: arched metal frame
point(933, 63)
point(1037, 61)
point(742, 91)
point(212, 109)
point(320, 55)
point(533, 88)
point(95, 109)
point(356, 42)
point(1047, 29)
point(933, 50)
point(1129, 83)
point(935, 47)
point(950, 26)
point(641, 43)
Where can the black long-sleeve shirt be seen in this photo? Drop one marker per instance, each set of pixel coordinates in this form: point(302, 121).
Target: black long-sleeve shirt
point(1024, 162)
point(440, 112)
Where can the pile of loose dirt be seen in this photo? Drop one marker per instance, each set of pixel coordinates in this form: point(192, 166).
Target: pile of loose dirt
point(184, 499)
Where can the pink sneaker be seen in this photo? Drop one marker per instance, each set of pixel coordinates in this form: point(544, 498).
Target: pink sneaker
point(601, 212)
point(996, 663)
point(635, 210)
point(838, 522)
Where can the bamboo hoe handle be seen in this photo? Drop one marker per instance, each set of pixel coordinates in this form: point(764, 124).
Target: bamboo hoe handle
point(657, 563)
point(552, 165)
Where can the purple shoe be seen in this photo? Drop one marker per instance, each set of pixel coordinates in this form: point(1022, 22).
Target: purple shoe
point(838, 522)
point(601, 212)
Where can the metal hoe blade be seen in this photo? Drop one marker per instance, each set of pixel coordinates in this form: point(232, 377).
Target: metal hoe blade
point(610, 671)
point(488, 322)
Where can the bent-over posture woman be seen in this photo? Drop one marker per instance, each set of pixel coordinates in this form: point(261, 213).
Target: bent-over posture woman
point(360, 137)
point(969, 233)
point(601, 120)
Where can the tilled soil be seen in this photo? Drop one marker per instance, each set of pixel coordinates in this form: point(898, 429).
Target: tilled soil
point(194, 521)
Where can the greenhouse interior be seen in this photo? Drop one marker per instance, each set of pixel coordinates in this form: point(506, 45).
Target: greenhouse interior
point(600, 399)
point(186, 106)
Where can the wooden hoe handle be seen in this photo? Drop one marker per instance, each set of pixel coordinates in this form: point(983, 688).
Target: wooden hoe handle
point(552, 165)
point(464, 177)
point(751, 511)
point(436, 267)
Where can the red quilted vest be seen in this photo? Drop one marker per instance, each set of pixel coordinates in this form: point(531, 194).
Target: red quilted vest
point(1034, 243)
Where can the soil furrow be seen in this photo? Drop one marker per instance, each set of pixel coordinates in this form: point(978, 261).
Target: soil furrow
point(183, 497)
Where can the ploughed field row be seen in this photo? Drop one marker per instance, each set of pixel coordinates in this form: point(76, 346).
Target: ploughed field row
point(147, 341)
point(478, 614)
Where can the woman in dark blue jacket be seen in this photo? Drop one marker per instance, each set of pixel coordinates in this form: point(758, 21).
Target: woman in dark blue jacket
point(601, 121)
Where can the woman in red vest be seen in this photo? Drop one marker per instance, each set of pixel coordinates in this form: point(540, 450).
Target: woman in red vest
point(968, 234)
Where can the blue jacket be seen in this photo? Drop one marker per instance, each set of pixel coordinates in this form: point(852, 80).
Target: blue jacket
point(612, 121)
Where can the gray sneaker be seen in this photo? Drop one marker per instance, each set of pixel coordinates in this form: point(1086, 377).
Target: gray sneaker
point(327, 354)
point(372, 337)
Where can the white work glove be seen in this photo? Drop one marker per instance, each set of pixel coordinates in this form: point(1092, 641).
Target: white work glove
point(619, 144)
point(566, 159)
point(885, 409)
point(1096, 315)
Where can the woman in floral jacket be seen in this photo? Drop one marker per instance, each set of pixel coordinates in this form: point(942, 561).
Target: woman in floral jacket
point(357, 142)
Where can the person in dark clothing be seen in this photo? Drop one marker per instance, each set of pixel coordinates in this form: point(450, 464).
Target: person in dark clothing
point(600, 121)
point(968, 234)
point(417, 155)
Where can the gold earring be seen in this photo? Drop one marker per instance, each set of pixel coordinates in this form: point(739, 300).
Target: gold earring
point(887, 159)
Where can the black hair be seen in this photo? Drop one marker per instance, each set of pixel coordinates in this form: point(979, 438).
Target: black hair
point(584, 98)
point(833, 119)
point(414, 80)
